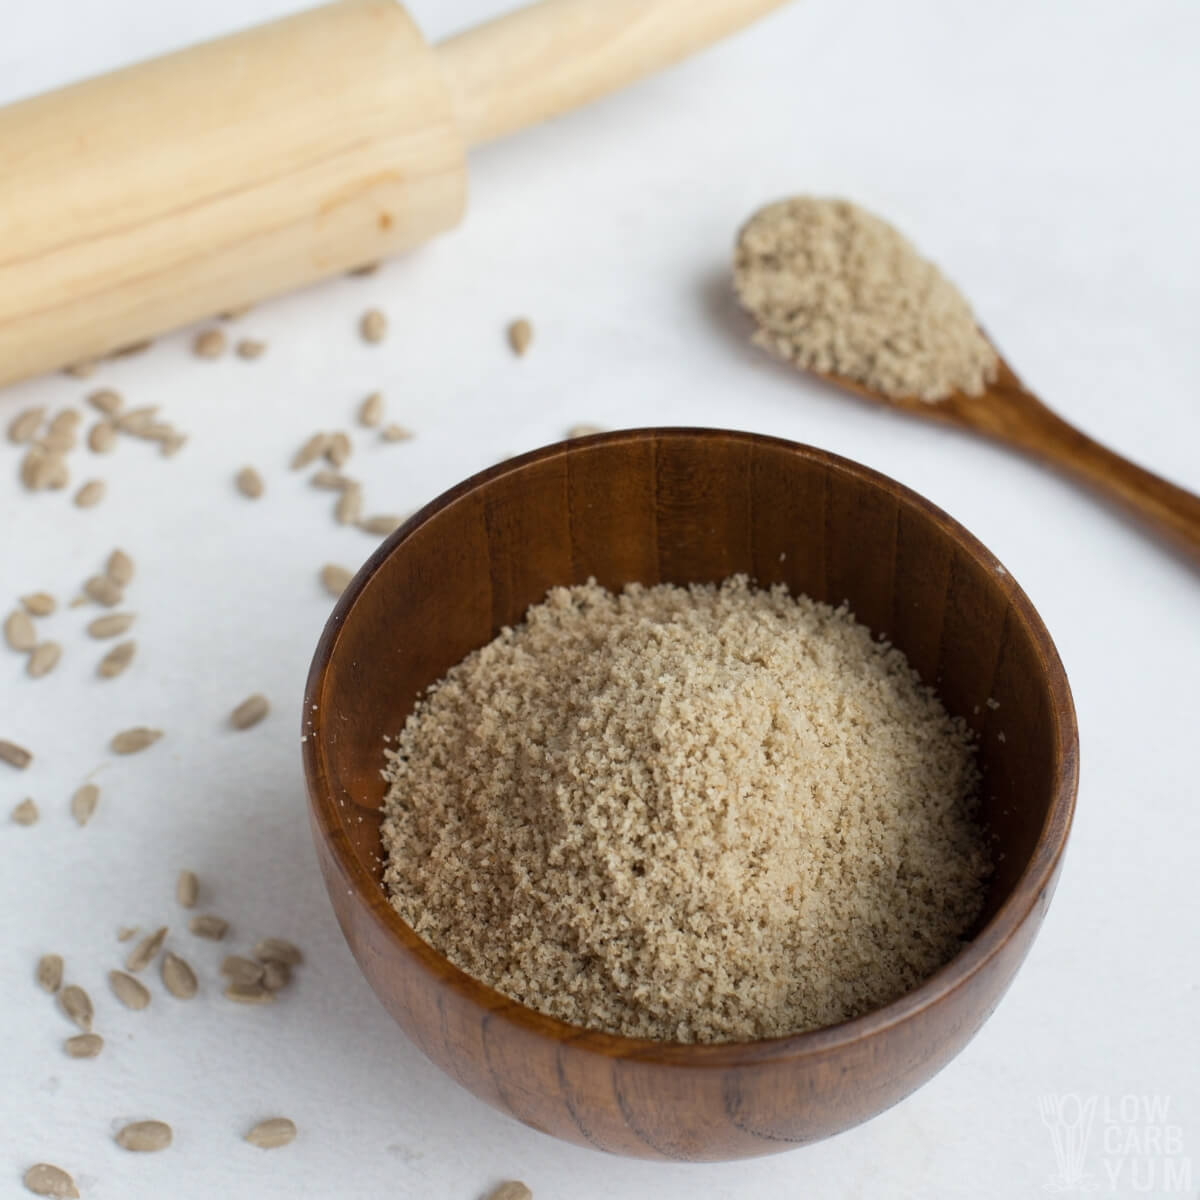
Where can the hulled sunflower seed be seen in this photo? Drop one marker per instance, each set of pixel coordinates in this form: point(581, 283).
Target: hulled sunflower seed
point(172, 442)
point(130, 741)
point(366, 269)
point(249, 483)
point(520, 334)
point(19, 632)
point(107, 401)
point(102, 437)
point(145, 1137)
point(243, 971)
point(77, 1005)
point(25, 813)
point(31, 467)
point(276, 976)
point(232, 314)
point(45, 1179)
point(331, 480)
point(131, 349)
point(139, 422)
point(52, 473)
point(131, 992)
point(335, 579)
point(90, 494)
point(126, 932)
point(187, 889)
point(81, 370)
point(373, 326)
point(249, 993)
point(349, 505)
point(103, 589)
point(39, 604)
point(116, 660)
point(339, 449)
point(207, 926)
point(209, 343)
point(578, 431)
point(14, 755)
point(24, 426)
point(63, 432)
point(119, 568)
point(313, 449)
point(84, 1045)
point(383, 524)
point(250, 711)
point(250, 349)
point(110, 625)
point(144, 953)
point(83, 803)
point(370, 412)
point(279, 950)
point(513, 1189)
point(43, 659)
point(272, 1133)
point(178, 978)
point(50, 972)
point(396, 433)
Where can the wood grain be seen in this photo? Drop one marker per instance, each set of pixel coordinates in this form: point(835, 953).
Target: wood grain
point(685, 505)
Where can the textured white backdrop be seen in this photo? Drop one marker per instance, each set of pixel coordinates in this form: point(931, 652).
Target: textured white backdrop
point(1045, 152)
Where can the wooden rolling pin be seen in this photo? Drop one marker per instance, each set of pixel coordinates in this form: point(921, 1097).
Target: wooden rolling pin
point(215, 177)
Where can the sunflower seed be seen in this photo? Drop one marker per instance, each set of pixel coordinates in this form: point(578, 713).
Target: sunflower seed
point(90, 494)
point(102, 437)
point(520, 334)
point(178, 978)
point(14, 755)
point(339, 449)
point(144, 953)
point(272, 1133)
point(110, 625)
point(145, 1136)
point(243, 971)
point(131, 992)
point(24, 426)
point(250, 349)
point(335, 579)
point(26, 813)
point(43, 659)
point(276, 976)
point(103, 589)
point(137, 422)
point(83, 803)
point(116, 660)
point(209, 343)
point(52, 473)
point(50, 972)
point(187, 888)
point(119, 568)
point(232, 314)
point(84, 1045)
point(130, 350)
point(373, 326)
point(81, 370)
point(45, 1179)
point(249, 483)
point(126, 932)
point(107, 401)
point(278, 950)
point(31, 467)
point(381, 524)
point(208, 926)
point(130, 741)
point(63, 432)
point(514, 1189)
point(370, 412)
point(39, 604)
point(77, 1005)
point(249, 993)
point(366, 269)
point(19, 632)
point(349, 505)
point(578, 431)
point(396, 433)
point(333, 481)
point(313, 449)
point(250, 711)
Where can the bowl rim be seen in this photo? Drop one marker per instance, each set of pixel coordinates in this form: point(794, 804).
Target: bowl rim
point(1031, 888)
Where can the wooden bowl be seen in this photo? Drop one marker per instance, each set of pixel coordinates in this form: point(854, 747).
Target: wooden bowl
point(688, 505)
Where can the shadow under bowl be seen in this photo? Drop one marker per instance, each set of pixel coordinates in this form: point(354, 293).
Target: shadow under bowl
point(681, 506)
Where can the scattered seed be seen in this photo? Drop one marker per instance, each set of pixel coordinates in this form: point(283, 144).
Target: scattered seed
point(396, 433)
point(63, 431)
point(131, 992)
point(208, 926)
point(249, 993)
point(14, 755)
point(116, 660)
point(77, 1005)
point(370, 412)
point(119, 568)
point(43, 659)
point(50, 972)
point(84, 1045)
point(514, 1189)
point(276, 976)
point(339, 449)
point(335, 579)
point(126, 932)
point(331, 480)
point(26, 813)
point(103, 589)
point(520, 334)
point(243, 971)
point(45, 1179)
point(31, 468)
point(132, 349)
point(110, 625)
point(107, 401)
point(145, 1136)
point(53, 473)
point(187, 889)
point(178, 978)
point(578, 431)
point(272, 1133)
point(250, 349)
point(140, 422)
point(250, 711)
point(144, 953)
point(130, 741)
point(249, 483)
point(349, 506)
point(19, 632)
point(373, 326)
point(90, 494)
point(313, 449)
point(24, 426)
point(102, 437)
point(232, 314)
point(210, 343)
point(39, 604)
point(380, 524)
point(81, 370)
point(172, 443)
point(83, 803)
point(278, 950)
point(366, 269)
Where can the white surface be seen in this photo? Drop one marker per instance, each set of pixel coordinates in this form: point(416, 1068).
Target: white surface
point(1046, 154)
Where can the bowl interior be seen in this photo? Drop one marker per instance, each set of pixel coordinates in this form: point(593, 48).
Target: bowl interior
point(685, 506)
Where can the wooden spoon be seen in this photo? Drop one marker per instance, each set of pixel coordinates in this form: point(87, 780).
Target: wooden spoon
point(1010, 413)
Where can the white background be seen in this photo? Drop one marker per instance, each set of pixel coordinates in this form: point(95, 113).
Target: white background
point(1046, 153)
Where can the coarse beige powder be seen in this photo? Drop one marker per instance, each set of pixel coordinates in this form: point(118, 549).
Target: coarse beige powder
point(836, 290)
point(689, 814)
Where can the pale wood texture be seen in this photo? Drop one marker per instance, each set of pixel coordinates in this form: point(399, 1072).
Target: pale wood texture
point(550, 57)
point(217, 176)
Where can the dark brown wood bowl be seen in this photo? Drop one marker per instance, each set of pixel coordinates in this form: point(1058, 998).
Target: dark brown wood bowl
point(686, 505)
